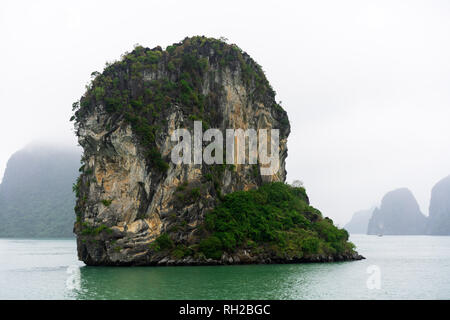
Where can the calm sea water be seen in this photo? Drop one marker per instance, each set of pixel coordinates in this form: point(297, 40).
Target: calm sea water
point(407, 267)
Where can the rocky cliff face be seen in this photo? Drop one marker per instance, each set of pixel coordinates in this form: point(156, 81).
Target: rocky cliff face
point(439, 217)
point(131, 197)
point(359, 222)
point(122, 189)
point(399, 214)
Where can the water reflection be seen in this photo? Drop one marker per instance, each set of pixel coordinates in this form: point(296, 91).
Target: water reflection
point(410, 267)
point(223, 282)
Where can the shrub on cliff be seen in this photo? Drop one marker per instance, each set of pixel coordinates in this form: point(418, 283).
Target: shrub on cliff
point(276, 217)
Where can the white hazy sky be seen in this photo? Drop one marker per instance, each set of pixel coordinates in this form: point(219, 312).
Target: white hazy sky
point(365, 83)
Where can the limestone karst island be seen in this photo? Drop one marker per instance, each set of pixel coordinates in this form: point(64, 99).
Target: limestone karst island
point(136, 207)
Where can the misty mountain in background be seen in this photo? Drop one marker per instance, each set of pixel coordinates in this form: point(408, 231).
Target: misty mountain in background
point(359, 222)
point(36, 198)
point(439, 218)
point(399, 214)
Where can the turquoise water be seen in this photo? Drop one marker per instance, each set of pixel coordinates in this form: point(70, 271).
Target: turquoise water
point(407, 267)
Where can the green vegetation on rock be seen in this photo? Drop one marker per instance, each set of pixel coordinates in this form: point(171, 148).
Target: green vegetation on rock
point(274, 221)
point(189, 214)
point(275, 218)
point(89, 230)
point(125, 91)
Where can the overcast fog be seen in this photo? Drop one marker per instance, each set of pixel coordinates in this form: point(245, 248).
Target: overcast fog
point(365, 83)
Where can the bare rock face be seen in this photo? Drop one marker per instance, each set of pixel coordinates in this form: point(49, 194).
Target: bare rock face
point(129, 192)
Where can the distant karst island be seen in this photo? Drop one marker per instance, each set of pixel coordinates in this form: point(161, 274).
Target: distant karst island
point(359, 221)
point(439, 218)
point(36, 198)
point(399, 214)
point(135, 207)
